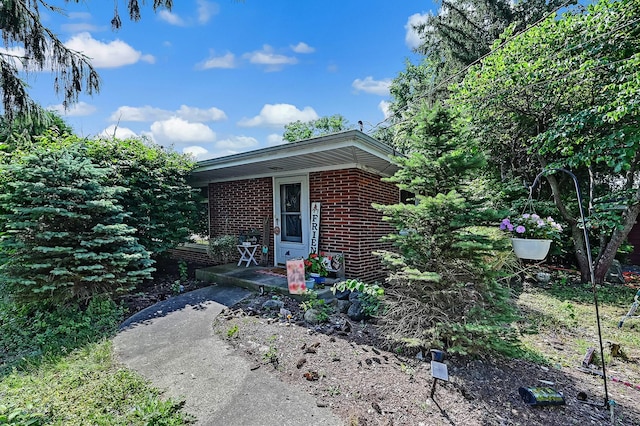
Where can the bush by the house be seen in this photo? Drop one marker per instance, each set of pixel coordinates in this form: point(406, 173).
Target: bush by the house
point(64, 232)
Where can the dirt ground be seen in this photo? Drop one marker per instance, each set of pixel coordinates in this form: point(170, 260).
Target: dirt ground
point(340, 363)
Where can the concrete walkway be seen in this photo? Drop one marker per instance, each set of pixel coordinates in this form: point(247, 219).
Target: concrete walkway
point(173, 345)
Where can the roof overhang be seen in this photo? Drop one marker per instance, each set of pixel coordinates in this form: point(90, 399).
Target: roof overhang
point(335, 151)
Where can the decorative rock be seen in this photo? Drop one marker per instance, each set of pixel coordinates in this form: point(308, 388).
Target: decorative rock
point(342, 295)
point(311, 316)
point(285, 312)
point(273, 304)
point(355, 311)
point(614, 274)
point(355, 295)
point(543, 277)
point(343, 306)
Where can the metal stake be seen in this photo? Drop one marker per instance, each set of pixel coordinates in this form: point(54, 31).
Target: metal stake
point(591, 272)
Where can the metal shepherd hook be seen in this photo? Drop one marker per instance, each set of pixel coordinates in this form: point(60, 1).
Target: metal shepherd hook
point(590, 261)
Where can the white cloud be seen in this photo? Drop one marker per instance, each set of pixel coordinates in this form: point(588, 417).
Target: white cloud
point(176, 130)
point(148, 58)
point(149, 113)
point(279, 115)
point(117, 132)
point(105, 55)
point(77, 110)
point(198, 152)
point(226, 61)
point(384, 107)
point(275, 139)
point(412, 38)
point(85, 16)
point(268, 57)
point(206, 10)
point(145, 113)
point(303, 48)
point(171, 18)
point(14, 53)
point(236, 144)
point(369, 85)
point(81, 27)
point(201, 115)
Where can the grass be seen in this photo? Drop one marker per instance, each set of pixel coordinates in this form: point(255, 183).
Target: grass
point(84, 387)
point(560, 324)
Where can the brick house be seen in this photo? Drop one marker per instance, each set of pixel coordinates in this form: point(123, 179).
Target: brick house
point(277, 185)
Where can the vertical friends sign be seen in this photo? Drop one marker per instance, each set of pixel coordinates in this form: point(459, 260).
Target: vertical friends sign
point(315, 227)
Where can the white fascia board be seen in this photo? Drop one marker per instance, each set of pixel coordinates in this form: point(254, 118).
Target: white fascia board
point(352, 138)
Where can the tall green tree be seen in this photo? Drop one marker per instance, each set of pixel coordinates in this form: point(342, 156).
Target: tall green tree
point(566, 94)
point(64, 234)
point(164, 209)
point(23, 128)
point(299, 130)
point(441, 291)
point(29, 44)
point(460, 33)
point(161, 206)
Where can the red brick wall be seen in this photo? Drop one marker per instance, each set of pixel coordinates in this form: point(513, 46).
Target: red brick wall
point(240, 205)
point(348, 223)
point(192, 254)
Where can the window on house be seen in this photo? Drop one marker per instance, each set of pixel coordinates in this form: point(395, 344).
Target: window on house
point(203, 236)
point(290, 212)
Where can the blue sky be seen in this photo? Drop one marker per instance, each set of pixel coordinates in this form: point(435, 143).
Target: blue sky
point(217, 78)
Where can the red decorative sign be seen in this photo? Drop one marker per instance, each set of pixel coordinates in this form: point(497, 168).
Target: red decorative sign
point(295, 276)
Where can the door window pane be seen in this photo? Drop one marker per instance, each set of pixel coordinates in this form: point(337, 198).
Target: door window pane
point(290, 212)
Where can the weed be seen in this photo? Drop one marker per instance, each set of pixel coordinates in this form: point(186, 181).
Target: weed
point(233, 331)
point(271, 355)
point(182, 270)
point(407, 369)
point(320, 305)
point(176, 287)
point(334, 391)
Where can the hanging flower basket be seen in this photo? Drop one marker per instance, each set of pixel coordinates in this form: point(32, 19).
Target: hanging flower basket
point(532, 249)
point(531, 235)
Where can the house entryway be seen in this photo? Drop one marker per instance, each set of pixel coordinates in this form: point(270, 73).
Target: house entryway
point(291, 218)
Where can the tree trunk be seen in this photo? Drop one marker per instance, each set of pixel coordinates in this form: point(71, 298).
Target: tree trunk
point(617, 238)
point(577, 234)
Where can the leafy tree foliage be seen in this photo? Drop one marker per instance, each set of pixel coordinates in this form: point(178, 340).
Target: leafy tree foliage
point(298, 130)
point(460, 33)
point(163, 208)
point(64, 232)
point(464, 30)
point(566, 93)
point(23, 128)
point(30, 45)
point(442, 291)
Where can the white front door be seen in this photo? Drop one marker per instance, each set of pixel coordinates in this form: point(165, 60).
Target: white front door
point(291, 217)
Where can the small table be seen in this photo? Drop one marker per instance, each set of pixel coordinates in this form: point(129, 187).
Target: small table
point(247, 254)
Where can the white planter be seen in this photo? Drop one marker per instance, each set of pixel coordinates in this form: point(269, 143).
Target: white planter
point(530, 248)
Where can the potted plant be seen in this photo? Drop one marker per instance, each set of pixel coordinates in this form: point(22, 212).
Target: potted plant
point(531, 235)
point(222, 248)
point(316, 267)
